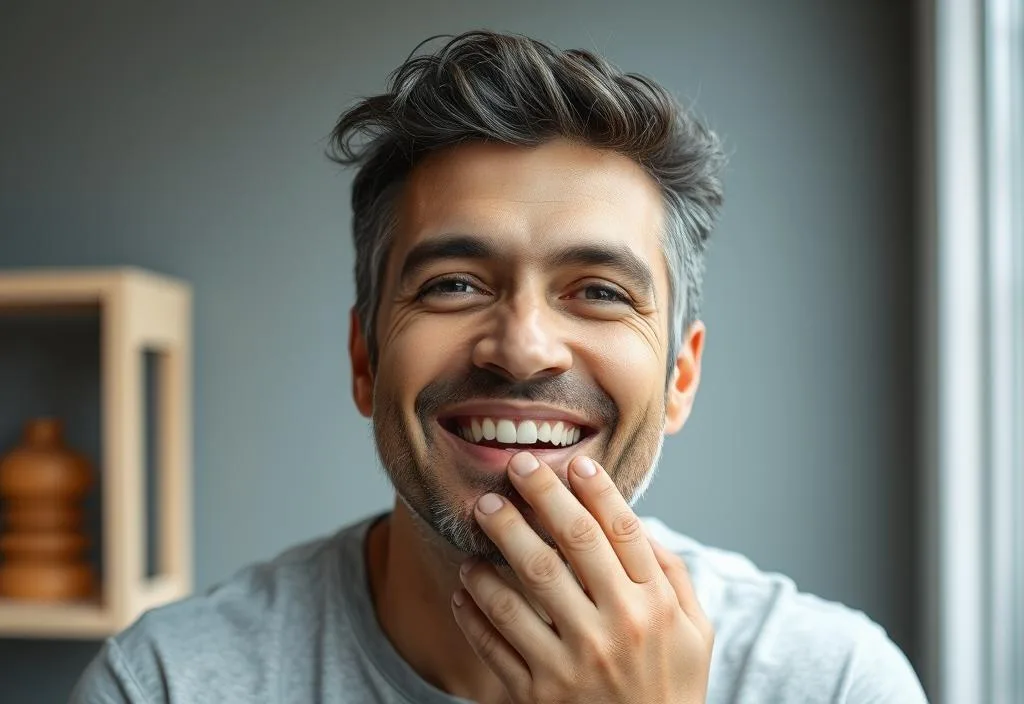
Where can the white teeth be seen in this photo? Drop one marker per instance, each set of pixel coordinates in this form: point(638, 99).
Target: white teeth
point(557, 433)
point(487, 426)
point(526, 433)
point(506, 431)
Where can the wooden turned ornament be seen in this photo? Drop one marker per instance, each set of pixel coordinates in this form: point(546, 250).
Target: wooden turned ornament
point(43, 543)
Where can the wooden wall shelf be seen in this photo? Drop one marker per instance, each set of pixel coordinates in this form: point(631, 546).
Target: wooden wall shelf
point(139, 312)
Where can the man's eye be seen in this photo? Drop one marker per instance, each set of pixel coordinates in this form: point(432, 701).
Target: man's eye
point(607, 294)
point(448, 287)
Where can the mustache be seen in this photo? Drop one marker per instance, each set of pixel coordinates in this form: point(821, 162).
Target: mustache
point(563, 391)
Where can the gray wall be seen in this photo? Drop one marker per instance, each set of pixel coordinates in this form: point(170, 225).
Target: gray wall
point(190, 142)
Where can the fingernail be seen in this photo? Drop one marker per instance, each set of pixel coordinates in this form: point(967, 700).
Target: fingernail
point(585, 467)
point(524, 463)
point(459, 597)
point(465, 566)
point(489, 503)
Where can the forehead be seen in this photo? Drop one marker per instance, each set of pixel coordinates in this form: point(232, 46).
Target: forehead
point(533, 198)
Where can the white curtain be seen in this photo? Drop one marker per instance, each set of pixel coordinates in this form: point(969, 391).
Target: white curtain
point(972, 349)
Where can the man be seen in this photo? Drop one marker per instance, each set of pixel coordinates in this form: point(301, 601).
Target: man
point(529, 228)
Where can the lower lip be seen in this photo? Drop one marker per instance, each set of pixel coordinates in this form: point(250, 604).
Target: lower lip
point(495, 460)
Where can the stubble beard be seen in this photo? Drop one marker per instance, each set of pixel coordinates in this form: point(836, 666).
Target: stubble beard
point(436, 496)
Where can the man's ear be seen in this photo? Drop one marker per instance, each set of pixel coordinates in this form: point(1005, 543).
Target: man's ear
point(362, 374)
point(685, 379)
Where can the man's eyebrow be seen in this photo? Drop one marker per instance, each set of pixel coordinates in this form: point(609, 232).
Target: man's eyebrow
point(618, 257)
point(444, 247)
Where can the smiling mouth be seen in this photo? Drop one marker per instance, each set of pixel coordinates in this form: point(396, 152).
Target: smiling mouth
point(516, 434)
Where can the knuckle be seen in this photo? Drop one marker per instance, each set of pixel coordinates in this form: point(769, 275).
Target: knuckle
point(633, 628)
point(587, 650)
point(507, 523)
point(599, 654)
point(543, 569)
point(556, 681)
point(503, 611)
point(626, 527)
point(625, 640)
point(582, 534)
point(549, 485)
point(487, 645)
point(608, 489)
point(665, 612)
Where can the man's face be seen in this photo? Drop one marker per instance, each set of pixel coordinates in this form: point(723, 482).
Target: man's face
point(524, 306)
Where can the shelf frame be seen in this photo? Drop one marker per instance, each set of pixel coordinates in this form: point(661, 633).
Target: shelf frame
point(139, 311)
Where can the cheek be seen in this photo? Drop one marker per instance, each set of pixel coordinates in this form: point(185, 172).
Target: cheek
point(416, 352)
point(627, 367)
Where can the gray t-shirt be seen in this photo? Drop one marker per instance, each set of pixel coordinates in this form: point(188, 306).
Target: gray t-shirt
point(302, 628)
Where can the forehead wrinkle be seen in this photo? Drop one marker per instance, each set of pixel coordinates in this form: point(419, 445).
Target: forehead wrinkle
point(462, 186)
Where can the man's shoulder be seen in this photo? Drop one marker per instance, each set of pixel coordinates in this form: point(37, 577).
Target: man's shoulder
point(218, 634)
point(771, 636)
point(739, 596)
point(251, 599)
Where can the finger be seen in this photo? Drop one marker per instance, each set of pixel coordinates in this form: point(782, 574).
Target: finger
point(624, 530)
point(542, 573)
point(511, 614)
point(678, 576)
point(489, 645)
point(576, 530)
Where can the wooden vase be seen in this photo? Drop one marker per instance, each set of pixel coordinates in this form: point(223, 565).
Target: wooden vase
point(43, 543)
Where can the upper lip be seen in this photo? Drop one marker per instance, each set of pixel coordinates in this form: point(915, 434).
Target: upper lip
point(516, 411)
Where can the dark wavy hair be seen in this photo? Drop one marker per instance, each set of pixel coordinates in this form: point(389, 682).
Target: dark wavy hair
point(516, 90)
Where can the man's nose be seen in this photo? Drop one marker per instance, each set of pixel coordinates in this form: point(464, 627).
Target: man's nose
point(523, 342)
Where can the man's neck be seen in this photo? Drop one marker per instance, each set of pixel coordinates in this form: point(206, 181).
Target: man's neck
point(412, 579)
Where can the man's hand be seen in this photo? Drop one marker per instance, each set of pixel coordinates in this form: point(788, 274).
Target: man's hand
point(633, 632)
